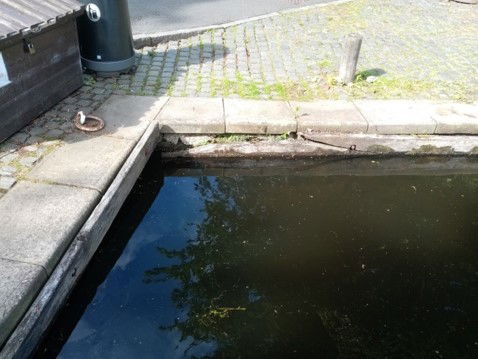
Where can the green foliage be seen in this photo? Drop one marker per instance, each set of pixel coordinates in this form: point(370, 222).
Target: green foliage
point(386, 87)
point(88, 80)
point(325, 63)
point(228, 138)
point(284, 136)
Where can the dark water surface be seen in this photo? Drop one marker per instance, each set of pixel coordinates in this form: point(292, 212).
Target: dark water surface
point(248, 264)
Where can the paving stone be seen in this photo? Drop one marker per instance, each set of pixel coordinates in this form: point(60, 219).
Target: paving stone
point(32, 140)
point(69, 100)
point(7, 170)
point(195, 116)
point(30, 148)
point(67, 127)
point(50, 143)
point(39, 230)
point(85, 161)
point(258, 117)
point(20, 137)
point(129, 116)
point(68, 110)
point(52, 125)
point(456, 118)
point(28, 161)
point(6, 182)
point(398, 117)
point(328, 116)
point(84, 103)
point(120, 92)
point(7, 147)
point(9, 158)
point(40, 151)
point(18, 287)
point(37, 131)
point(54, 133)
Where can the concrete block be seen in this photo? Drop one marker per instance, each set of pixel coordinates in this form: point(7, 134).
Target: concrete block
point(7, 170)
point(258, 117)
point(88, 162)
point(10, 157)
point(28, 161)
point(329, 116)
point(129, 116)
point(456, 118)
point(192, 115)
point(19, 285)
point(6, 182)
point(397, 117)
point(195, 140)
point(39, 229)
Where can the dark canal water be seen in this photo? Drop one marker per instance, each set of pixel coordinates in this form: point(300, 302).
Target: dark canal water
point(367, 261)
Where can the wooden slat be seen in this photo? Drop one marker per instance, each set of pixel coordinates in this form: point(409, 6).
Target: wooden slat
point(18, 15)
point(38, 83)
point(17, 114)
point(45, 12)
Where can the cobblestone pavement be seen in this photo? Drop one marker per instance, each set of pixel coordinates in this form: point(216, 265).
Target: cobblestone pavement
point(424, 48)
point(414, 48)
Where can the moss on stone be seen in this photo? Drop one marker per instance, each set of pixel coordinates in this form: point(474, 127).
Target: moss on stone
point(474, 151)
point(380, 149)
point(432, 150)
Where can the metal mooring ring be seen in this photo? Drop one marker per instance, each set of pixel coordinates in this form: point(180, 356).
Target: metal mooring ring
point(92, 123)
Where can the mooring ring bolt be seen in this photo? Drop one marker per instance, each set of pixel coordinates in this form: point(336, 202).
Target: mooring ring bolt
point(353, 148)
point(88, 123)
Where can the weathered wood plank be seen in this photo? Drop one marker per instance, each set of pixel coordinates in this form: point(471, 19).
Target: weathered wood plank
point(348, 64)
point(39, 81)
point(51, 46)
point(25, 107)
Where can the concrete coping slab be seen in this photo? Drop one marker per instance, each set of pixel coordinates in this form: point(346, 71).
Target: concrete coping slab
point(38, 221)
point(25, 337)
point(329, 116)
point(387, 117)
point(258, 117)
point(456, 118)
point(192, 115)
point(41, 214)
point(20, 283)
point(128, 116)
point(84, 161)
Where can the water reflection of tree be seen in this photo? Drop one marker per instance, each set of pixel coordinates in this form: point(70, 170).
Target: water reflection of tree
point(258, 287)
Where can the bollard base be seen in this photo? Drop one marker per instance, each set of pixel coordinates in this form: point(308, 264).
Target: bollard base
point(108, 66)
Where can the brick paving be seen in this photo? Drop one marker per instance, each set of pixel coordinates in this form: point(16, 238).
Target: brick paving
point(424, 49)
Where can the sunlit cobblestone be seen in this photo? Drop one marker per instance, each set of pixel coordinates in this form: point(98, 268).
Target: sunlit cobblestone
point(421, 48)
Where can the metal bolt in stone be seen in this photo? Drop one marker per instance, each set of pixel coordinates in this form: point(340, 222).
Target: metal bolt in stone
point(348, 64)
